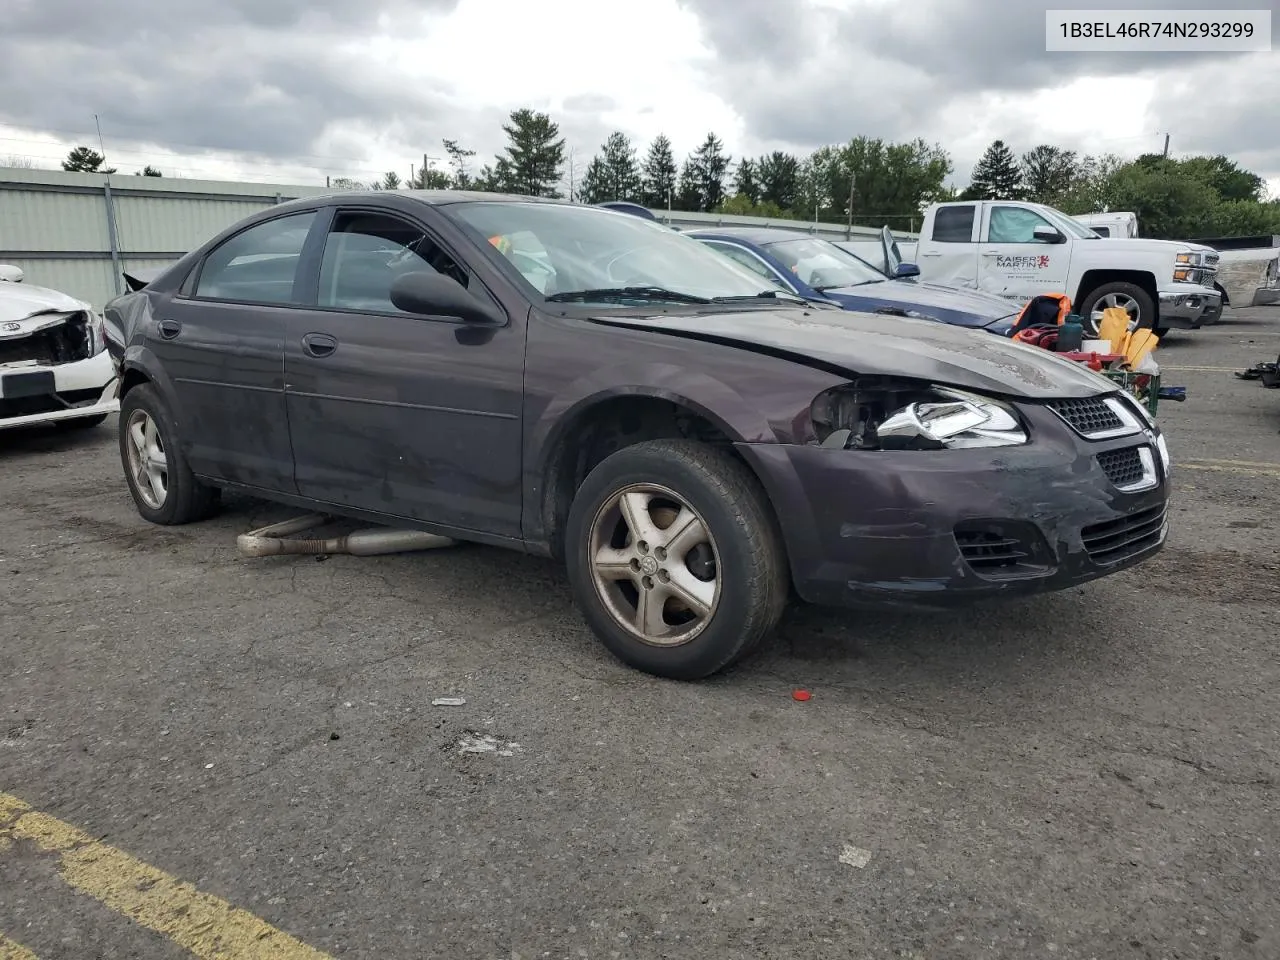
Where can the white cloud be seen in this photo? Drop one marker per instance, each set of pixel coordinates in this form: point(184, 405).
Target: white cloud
point(377, 89)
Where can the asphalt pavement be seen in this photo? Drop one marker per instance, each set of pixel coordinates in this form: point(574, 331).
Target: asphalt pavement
point(202, 754)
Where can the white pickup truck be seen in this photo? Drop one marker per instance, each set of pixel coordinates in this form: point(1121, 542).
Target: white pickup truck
point(1020, 250)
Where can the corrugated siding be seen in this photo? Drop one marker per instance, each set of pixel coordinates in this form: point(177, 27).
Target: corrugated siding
point(175, 224)
point(39, 220)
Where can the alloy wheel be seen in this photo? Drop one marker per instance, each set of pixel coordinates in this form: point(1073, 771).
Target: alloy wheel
point(655, 564)
point(148, 465)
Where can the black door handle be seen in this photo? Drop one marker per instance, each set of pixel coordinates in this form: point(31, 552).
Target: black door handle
point(169, 329)
point(319, 344)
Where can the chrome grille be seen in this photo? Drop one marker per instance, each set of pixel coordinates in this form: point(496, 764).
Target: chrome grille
point(1122, 467)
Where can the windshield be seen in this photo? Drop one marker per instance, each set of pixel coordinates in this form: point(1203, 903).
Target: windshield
point(1068, 225)
point(586, 254)
point(821, 264)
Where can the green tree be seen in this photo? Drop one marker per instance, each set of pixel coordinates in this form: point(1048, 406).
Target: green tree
point(709, 166)
point(1228, 180)
point(148, 171)
point(740, 205)
point(997, 177)
point(745, 182)
point(614, 174)
point(659, 173)
point(1048, 173)
point(688, 194)
point(779, 178)
point(429, 178)
point(85, 160)
point(534, 155)
point(458, 162)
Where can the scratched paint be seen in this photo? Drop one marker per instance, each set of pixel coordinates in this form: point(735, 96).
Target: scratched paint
point(206, 926)
point(12, 950)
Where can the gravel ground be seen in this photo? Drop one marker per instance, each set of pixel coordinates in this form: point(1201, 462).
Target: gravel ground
point(1092, 774)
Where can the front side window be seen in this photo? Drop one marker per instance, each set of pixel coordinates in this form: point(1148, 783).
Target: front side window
point(1015, 225)
point(365, 253)
point(822, 265)
point(584, 254)
point(747, 259)
point(258, 265)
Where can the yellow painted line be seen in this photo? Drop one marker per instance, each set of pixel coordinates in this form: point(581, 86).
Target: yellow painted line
point(208, 927)
point(12, 950)
point(1229, 466)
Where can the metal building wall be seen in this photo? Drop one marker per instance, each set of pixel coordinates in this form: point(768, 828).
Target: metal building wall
point(59, 227)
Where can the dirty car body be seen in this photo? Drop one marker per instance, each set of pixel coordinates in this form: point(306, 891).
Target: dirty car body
point(538, 375)
point(54, 368)
point(820, 270)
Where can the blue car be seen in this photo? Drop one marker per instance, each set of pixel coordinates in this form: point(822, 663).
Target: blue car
point(818, 270)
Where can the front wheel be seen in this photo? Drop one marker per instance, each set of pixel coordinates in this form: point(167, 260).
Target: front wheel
point(675, 558)
point(1130, 297)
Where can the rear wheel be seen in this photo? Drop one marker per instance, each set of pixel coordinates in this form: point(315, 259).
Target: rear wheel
point(163, 487)
point(675, 559)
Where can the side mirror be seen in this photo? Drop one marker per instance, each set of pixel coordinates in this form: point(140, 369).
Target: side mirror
point(1047, 234)
point(11, 273)
point(906, 270)
point(434, 294)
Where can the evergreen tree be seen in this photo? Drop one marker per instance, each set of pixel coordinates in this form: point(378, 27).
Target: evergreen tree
point(458, 157)
point(710, 165)
point(85, 160)
point(534, 154)
point(659, 174)
point(614, 174)
point(997, 177)
point(779, 176)
point(745, 182)
point(1048, 173)
point(688, 194)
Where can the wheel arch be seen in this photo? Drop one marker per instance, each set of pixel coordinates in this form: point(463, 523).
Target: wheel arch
point(1093, 279)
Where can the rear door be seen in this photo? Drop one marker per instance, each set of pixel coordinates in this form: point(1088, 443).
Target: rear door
point(1014, 263)
point(399, 414)
point(221, 341)
point(949, 252)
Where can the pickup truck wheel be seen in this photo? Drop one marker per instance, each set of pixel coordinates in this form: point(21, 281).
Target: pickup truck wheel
point(675, 558)
point(164, 489)
point(1132, 298)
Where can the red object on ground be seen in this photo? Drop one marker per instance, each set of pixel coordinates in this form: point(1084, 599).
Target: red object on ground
point(800, 695)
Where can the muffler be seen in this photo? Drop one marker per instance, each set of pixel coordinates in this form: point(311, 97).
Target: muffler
point(275, 540)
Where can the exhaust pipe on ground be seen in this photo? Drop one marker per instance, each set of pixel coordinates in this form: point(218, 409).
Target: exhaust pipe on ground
point(275, 540)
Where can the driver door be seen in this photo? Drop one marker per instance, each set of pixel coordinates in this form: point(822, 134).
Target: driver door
point(398, 414)
point(1012, 262)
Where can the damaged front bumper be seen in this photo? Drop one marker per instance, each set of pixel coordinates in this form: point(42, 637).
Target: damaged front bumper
point(1186, 306)
point(937, 528)
point(37, 394)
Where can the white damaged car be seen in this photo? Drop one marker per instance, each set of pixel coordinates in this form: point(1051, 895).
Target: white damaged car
point(54, 364)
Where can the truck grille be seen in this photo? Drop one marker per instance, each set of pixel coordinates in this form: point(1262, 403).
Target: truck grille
point(1118, 540)
point(1088, 416)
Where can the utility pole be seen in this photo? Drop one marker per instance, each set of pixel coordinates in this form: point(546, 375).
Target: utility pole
point(1166, 145)
point(848, 230)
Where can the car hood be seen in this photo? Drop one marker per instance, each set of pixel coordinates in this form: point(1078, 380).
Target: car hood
point(20, 300)
point(1130, 245)
point(874, 345)
point(925, 296)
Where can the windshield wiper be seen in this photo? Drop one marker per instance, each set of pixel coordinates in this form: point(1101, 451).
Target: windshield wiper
point(762, 295)
point(627, 293)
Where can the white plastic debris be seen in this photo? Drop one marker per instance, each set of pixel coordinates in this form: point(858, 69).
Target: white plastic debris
point(855, 857)
point(448, 701)
point(486, 743)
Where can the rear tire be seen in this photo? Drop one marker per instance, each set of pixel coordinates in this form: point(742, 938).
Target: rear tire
point(678, 605)
point(163, 487)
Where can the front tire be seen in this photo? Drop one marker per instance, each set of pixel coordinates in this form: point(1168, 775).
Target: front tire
point(163, 487)
point(1132, 298)
point(675, 558)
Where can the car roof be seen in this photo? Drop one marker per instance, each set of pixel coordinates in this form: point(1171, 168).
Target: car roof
point(434, 198)
point(752, 234)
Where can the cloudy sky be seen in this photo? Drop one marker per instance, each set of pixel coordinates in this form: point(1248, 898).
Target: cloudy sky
point(294, 90)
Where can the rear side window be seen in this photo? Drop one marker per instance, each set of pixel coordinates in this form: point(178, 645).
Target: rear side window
point(1101, 231)
point(258, 265)
point(953, 224)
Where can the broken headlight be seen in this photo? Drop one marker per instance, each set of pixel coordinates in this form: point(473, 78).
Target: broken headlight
point(883, 415)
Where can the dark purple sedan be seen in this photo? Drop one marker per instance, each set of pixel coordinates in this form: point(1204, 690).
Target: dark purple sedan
point(583, 384)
